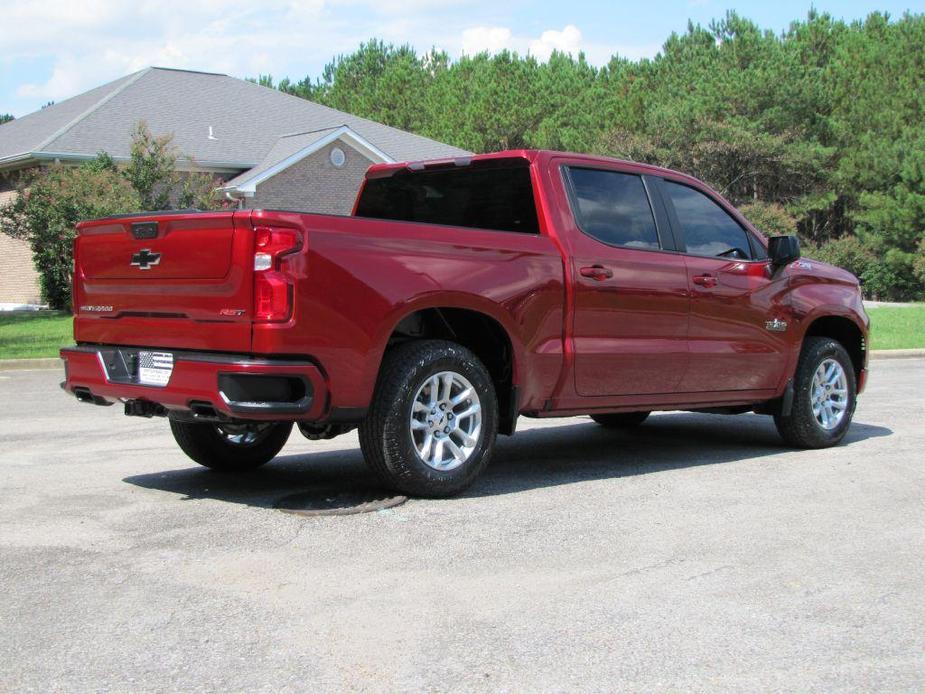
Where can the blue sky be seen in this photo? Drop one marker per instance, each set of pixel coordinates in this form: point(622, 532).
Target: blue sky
point(53, 49)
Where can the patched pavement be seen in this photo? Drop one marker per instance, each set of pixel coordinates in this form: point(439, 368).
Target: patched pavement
point(695, 553)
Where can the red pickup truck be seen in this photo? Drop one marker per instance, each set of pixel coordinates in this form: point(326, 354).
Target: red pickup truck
point(459, 295)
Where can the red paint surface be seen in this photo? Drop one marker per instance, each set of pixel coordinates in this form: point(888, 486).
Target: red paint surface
point(646, 333)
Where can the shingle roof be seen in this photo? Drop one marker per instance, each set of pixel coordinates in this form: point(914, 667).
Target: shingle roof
point(246, 121)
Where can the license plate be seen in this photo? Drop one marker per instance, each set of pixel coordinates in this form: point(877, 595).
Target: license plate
point(154, 368)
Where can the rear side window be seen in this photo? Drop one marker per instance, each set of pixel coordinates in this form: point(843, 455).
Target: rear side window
point(479, 196)
point(613, 208)
point(708, 229)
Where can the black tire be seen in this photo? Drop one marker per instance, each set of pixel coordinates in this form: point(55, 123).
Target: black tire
point(213, 445)
point(385, 435)
point(800, 428)
point(620, 420)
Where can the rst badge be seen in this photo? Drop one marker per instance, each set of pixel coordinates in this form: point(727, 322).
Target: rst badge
point(145, 259)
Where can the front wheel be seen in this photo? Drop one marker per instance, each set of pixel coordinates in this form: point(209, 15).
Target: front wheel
point(433, 420)
point(824, 396)
point(231, 447)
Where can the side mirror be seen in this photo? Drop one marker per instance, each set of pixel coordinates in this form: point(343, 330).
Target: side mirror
point(783, 250)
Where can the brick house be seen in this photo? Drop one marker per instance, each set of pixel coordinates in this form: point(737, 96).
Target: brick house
point(271, 149)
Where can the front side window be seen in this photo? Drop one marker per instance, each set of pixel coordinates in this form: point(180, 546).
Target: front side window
point(708, 229)
point(613, 208)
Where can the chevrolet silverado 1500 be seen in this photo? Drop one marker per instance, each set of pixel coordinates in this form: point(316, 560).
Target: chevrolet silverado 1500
point(459, 295)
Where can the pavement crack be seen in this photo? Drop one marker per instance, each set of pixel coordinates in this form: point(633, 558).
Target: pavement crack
point(710, 572)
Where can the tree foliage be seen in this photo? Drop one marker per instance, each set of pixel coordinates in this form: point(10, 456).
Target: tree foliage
point(152, 171)
point(48, 207)
point(51, 200)
point(824, 123)
point(5, 118)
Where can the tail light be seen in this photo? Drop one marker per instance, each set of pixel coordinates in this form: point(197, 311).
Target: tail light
point(272, 285)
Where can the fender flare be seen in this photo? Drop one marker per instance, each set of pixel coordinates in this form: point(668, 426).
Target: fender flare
point(441, 300)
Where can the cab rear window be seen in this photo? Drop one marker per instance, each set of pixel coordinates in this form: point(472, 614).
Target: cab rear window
point(480, 196)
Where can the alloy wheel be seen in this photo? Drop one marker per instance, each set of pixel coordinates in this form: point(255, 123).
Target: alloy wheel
point(446, 420)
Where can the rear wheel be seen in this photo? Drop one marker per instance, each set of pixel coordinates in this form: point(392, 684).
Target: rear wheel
point(620, 420)
point(824, 396)
point(231, 447)
point(433, 420)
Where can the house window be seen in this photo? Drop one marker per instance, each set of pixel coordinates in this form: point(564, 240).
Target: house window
point(338, 158)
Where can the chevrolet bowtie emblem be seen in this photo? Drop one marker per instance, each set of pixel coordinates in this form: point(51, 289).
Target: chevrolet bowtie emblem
point(145, 259)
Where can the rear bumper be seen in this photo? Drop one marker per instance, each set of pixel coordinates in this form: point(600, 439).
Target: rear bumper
point(235, 386)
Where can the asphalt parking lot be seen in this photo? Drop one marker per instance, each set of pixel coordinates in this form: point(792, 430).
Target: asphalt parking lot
point(694, 554)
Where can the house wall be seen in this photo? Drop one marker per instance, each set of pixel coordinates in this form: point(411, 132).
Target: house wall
point(314, 184)
point(19, 282)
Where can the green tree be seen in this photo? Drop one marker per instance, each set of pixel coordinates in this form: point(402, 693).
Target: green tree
point(152, 168)
point(5, 118)
point(152, 172)
point(771, 219)
point(51, 200)
point(49, 205)
point(821, 124)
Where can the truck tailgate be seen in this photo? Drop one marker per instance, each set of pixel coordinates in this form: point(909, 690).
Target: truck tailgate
point(178, 280)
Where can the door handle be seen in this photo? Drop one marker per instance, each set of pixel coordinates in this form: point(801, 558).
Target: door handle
point(705, 280)
point(597, 272)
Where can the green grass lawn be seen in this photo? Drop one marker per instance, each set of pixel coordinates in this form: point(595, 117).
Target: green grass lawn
point(897, 327)
point(40, 334)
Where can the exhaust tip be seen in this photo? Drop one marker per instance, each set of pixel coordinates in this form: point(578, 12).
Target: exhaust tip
point(83, 394)
point(203, 410)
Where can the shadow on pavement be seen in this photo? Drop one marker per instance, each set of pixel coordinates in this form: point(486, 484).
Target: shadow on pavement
point(531, 459)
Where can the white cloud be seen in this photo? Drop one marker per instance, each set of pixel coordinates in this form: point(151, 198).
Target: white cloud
point(566, 41)
point(69, 46)
point(481, 39)
point(401, 7)
point(231, 36)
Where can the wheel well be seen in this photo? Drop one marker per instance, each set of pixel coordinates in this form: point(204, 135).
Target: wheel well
point(846, 332)
point(478, 332)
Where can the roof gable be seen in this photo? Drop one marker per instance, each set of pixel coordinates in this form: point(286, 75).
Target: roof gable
point(246, 121)
point(291, 149)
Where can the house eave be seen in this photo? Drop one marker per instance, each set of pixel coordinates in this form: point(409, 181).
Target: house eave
point(16, 161)
point(40, 157)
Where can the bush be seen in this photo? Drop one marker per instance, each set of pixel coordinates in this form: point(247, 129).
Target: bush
point(892, 277)
point(887, 274)
point(918, 264)
point(52, 200)
point(847, 252)
point(152, 171)
point(48, 206)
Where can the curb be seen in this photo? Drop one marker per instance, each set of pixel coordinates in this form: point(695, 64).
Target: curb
point(896, 353)
point(30, 364)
